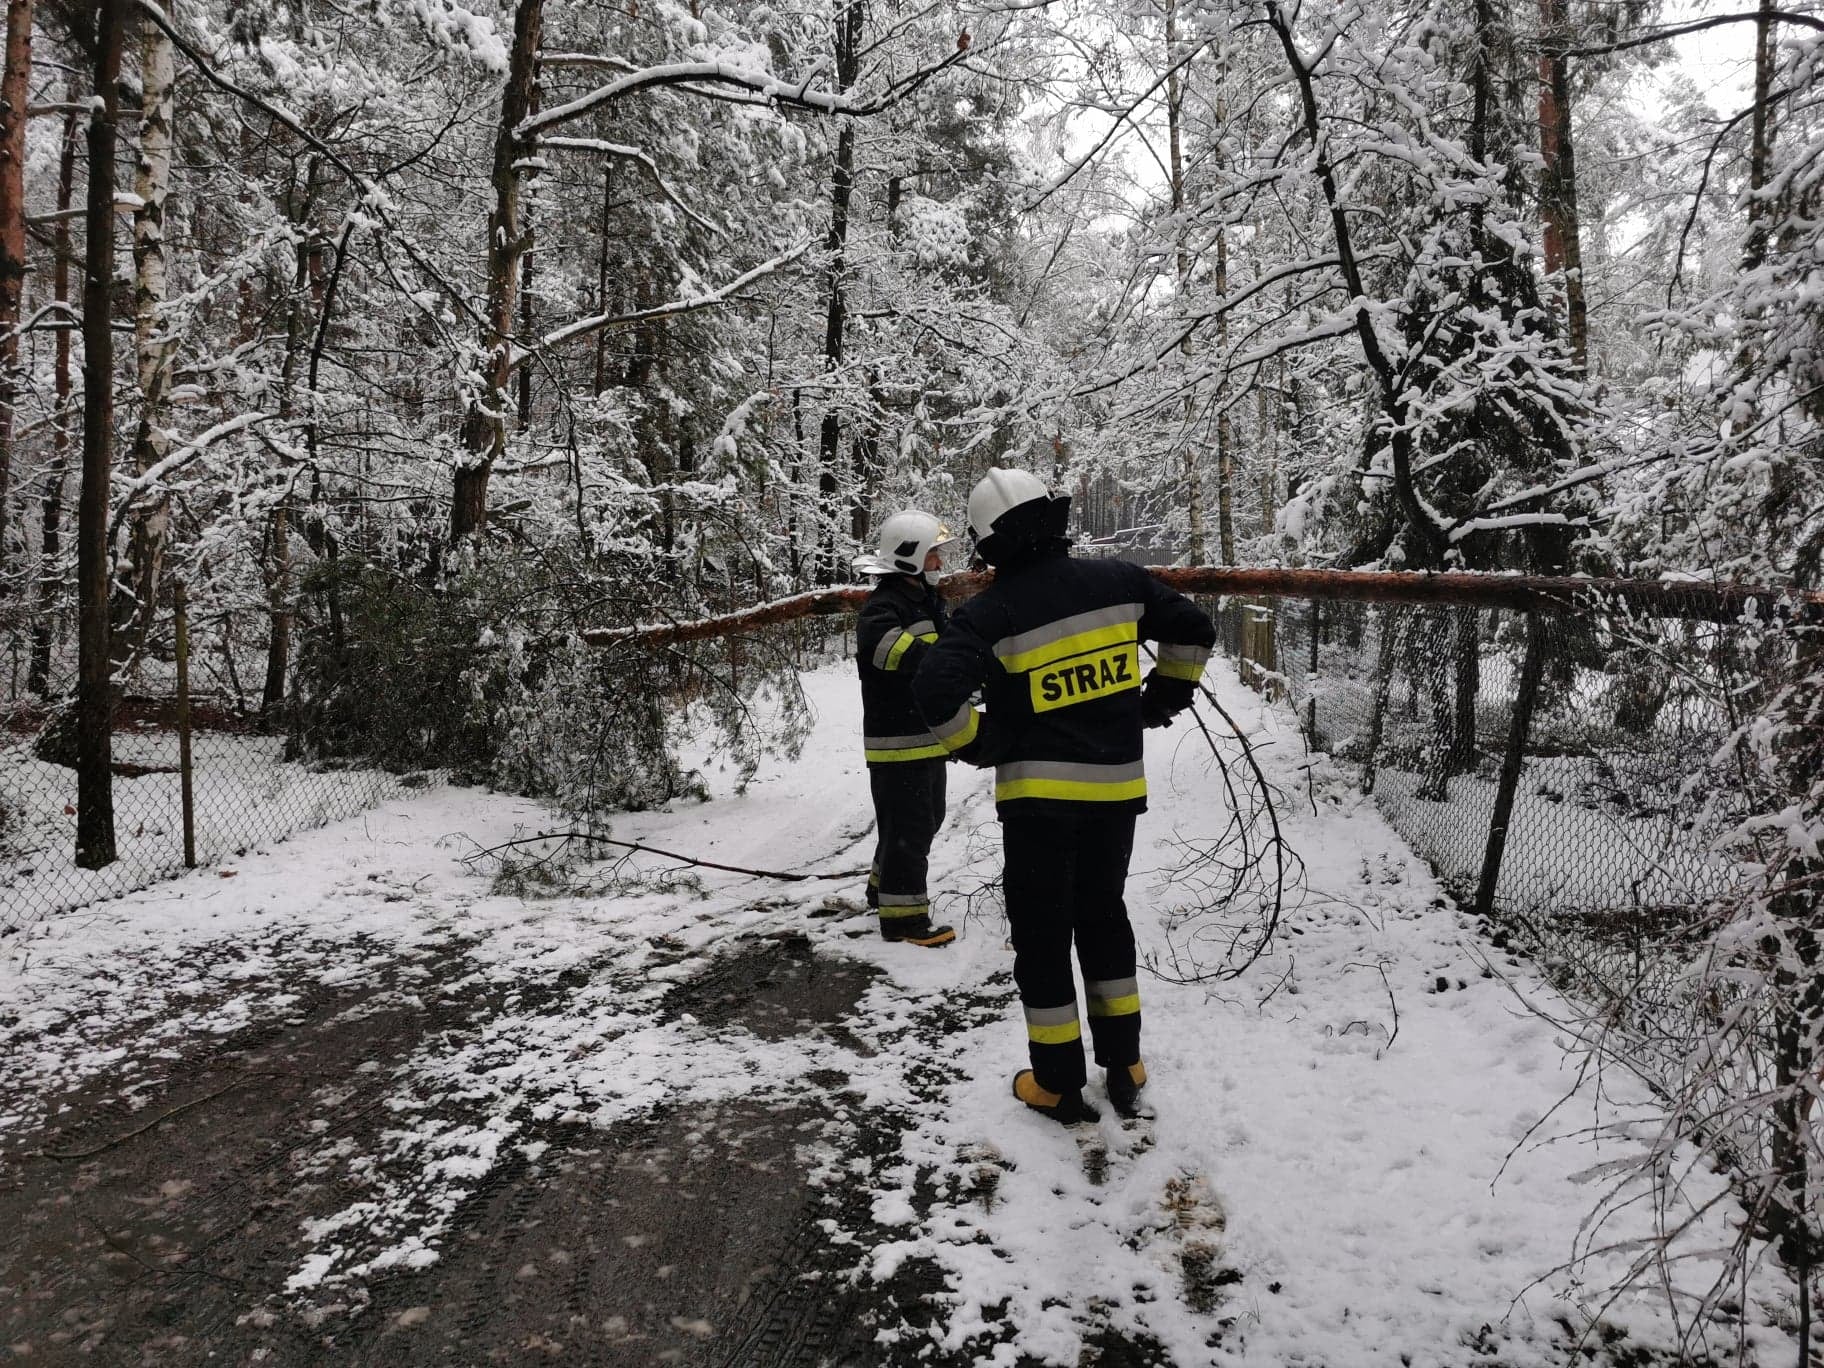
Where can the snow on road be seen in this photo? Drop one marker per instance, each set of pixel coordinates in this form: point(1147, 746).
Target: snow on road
point(1345, 1168)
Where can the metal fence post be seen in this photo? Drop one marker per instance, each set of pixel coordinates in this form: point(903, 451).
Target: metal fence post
point(1532, 666)
point(181, 612)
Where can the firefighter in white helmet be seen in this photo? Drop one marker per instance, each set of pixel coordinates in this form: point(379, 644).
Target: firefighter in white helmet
point(900, 621)
point(1054, 643)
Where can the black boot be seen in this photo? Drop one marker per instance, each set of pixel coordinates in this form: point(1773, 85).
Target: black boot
point(1124, 1085)
point(1066, 1108)
point(915, 931)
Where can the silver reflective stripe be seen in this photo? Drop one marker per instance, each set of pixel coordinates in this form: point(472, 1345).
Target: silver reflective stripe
point(902, 899)
point(922, 627)
point(1052, 1016)
point(1113, 988)
point(880, 651)
point(912, 742)
point(964, 716)
point(1112, 616)
point(1195, 655)
point(1070, 770)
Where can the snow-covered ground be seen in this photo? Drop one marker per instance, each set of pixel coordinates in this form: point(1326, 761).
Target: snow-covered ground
point(1346, 1168)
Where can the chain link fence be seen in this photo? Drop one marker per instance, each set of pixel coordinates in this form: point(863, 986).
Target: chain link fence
point(254, 775)
point(1607, 815)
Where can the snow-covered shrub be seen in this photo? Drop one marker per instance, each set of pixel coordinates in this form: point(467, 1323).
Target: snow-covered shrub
point(485, 672)
point(586, 728)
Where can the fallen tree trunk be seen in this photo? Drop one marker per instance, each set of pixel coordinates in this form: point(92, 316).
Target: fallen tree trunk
point(1522, 593)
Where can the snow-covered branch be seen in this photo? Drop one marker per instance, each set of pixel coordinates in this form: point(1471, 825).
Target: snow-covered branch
point(585, 327)
point(768, 88)
point(131, 491)
point(634, 154)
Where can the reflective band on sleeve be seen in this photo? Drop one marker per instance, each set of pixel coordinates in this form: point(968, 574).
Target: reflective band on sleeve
point(882, 750)
point(960, 730)
point(1113, 997)
point(924, 629)
point(1073, 782)
point(1068, 636)
point(1053, 1025)
point(1183, 662)
point(901, 645)
point(893, 757)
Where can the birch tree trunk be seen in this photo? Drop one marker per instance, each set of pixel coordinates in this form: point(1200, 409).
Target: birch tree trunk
point(94, 700)
point(484, 425)
point(136, 602)
point(15, 94)
point(1174, 121)
point(1225, 432)
point(278, 540)
point(50, 553)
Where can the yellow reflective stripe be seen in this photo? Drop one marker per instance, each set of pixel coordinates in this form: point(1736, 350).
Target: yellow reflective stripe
point(1191, 670)
point(889, 910)
point(958, 739)
point(882, 757)
point(1022, 661)
point(1075, 790)
point(1115, 1006)
point(899, 648)
point(1061, 1034)
point(927, 636)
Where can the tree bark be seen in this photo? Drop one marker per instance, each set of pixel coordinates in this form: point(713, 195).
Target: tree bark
point(15, 94)
point(484, 428)
point(1682, 600)
point(136, 599)
point(50, 553)
point(94, 706)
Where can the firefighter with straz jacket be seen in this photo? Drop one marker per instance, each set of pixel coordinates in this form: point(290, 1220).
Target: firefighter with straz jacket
point(899, 623)
point(1054, 643)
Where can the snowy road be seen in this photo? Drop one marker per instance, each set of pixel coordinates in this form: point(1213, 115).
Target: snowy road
point(413, 1110)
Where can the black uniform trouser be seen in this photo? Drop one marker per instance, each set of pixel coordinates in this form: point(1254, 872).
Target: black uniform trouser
point(908, 810)
point(1064, 879)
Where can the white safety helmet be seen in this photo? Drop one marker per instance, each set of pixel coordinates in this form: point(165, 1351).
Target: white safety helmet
point(1012, 509)
point(998, 492)
point(906, 539)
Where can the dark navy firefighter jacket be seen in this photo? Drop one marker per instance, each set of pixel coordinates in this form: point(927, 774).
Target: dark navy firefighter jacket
point(898, 624)
point(1055, 645)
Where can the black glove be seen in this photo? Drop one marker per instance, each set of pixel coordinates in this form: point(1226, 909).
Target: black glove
point(1155, 709)
point(1163, 698)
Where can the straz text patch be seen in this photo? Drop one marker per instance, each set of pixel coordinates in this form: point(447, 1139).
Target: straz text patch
point(1080, 678)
